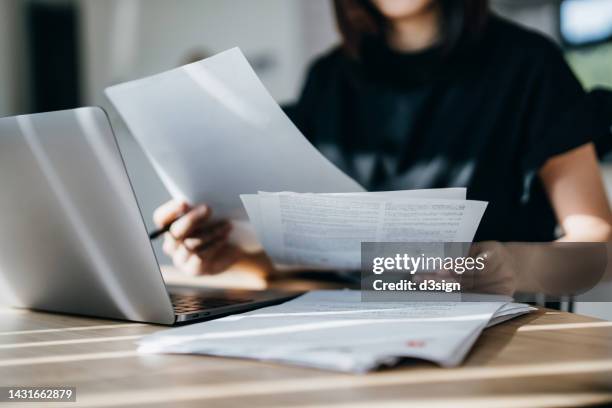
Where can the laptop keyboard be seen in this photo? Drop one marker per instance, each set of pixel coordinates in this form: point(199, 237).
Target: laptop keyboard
point(193, 303)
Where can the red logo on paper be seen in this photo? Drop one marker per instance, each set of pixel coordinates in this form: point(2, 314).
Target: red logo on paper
point(415, 343)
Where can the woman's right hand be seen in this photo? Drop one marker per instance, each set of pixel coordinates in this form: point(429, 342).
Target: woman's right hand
point(197, 245)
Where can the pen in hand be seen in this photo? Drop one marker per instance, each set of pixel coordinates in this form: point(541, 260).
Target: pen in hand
point(153, 235)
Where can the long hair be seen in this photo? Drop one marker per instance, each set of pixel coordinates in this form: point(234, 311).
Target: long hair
point(358, 19)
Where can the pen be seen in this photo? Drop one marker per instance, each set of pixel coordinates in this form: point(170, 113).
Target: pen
point(153, 235)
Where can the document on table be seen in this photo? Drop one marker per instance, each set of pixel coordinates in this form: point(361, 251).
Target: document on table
point(212, 132)
point(326, 230)
point(335, 330)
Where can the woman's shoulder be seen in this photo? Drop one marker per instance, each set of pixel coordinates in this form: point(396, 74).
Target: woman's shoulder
point(328, 64)
point(521, 43)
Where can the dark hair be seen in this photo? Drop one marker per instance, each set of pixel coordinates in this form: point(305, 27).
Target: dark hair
point(358, 19)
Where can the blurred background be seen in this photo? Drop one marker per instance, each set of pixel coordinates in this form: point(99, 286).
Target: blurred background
point(58, 54)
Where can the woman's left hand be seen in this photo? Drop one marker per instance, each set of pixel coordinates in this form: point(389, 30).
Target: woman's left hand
point(498, 277)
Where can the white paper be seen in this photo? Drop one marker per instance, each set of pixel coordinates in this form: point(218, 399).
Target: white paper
point(454, 193)
point(334, 330)
point(251, 201)
point(323, 230)
point(510, 311)
point(213, 132)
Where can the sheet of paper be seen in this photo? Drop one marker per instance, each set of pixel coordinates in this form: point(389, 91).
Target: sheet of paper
point(510, 311)
point(321, 230)
point(213, 132)
point(454, 193)
point(335, 330)
point(251, 201)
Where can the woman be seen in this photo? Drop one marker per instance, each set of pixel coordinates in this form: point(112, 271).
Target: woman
point(439, 93)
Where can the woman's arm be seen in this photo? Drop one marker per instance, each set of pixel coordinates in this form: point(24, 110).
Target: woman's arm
point(575, 188)
point(574, 185)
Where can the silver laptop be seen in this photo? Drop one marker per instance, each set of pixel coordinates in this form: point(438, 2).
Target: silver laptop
point(72, 238)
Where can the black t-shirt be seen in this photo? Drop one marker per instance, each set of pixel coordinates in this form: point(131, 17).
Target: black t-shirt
point(485, 116)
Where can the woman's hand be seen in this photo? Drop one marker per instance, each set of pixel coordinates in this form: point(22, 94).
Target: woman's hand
point(196, 244)
point(498, 277)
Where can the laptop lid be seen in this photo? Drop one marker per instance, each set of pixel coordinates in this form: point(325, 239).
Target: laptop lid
point(72, 238)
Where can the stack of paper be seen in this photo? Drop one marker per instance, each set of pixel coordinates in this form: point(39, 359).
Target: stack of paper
point(326, 230)
point(335, 330)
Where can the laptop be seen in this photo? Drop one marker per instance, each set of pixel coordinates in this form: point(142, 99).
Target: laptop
point(72, 237)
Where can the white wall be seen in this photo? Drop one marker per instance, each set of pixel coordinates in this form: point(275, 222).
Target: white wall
point(126, 39)
point(317, 29)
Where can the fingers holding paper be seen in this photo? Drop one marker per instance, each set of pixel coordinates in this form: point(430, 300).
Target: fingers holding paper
point(497, 277)
point(196, 244)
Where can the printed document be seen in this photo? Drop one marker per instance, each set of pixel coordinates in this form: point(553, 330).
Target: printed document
point(251, 201)
point(326, 230)
point(212, 132)
point(335, 330)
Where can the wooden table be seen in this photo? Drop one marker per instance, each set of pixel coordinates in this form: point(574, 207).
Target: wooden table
point(544, 359)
